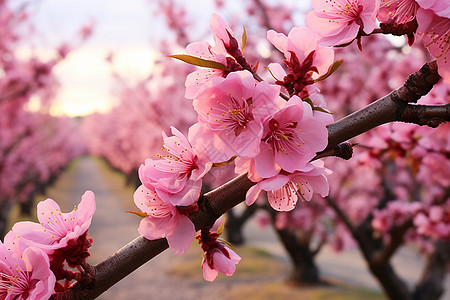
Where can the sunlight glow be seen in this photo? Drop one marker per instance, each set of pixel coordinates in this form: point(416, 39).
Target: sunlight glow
point(85, 77)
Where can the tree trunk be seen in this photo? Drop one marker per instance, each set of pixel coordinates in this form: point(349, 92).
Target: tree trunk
point(5, 208)
point(431, 284)
point(305, 270)
point(394, 287)
point(234, 224)
point(26, 207)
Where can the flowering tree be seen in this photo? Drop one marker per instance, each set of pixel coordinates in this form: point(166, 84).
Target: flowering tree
point(34, 146)
point(276, 132)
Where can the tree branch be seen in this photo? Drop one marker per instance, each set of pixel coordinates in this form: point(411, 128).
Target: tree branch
point(397, 233)
point(429, 115)
point(390, 108)
point(215, 203)
point(431, 285)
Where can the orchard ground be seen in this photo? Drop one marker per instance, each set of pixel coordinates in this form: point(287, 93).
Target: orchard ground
point(261, 274)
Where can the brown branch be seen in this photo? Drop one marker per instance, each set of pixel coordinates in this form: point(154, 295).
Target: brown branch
point(218, 201)
point(417, 84)
point(397, 233)
point(386, 109)
point(429, 115)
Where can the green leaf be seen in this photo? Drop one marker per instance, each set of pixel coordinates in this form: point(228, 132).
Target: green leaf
point(270, 71)
point(331, 70)
point(138, 213)
point(221, 227)
point(227, 243)
point(244, 39)
point(197, 61)
point(224, 163)
point(317, 108)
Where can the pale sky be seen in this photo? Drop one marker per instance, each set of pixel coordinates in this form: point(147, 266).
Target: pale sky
point(84, 75)
point(129, 29)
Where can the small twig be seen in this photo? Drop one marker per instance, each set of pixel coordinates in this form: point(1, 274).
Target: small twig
point(343, 150)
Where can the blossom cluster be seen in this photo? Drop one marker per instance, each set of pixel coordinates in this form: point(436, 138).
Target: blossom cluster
point(33, 256)
point(339, 22)
point(270, 136)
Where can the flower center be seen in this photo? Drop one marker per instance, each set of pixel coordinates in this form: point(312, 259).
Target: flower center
point(345, 10)
point(178, 158)
point(234, 115)
point(282, 138)
point(15, 284)
point(154, 207)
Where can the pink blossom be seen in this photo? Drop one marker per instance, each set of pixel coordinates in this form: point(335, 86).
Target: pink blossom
point(434, 223)
point(303, 89)
point(301, 41)
point(395, 11)
point(176, 176)
point(439, 7)
point(27, 276)
point(230, 112)
point(196, 80)
point(436, 37)
point(220, 260)
point(381, 220)
point(56, 228)
point(221, 31)
point(434, 169)
point(339, 21)
point(290, 140)
point(224, 43)
point(305, 58)
point(217, 257)
point(164, 220)
point(284, 190)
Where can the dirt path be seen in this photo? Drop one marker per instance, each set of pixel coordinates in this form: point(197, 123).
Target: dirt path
point(112, 228)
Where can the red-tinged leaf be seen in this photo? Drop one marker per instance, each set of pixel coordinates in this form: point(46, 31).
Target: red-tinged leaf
point(255, 67)
point(138, 213)
point(197, 61)
point(331, 70)
point(244, 39)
